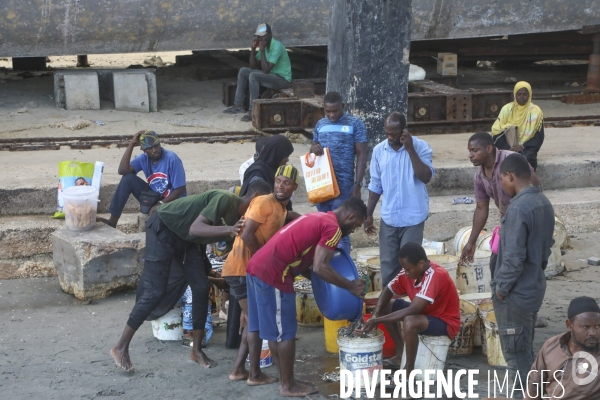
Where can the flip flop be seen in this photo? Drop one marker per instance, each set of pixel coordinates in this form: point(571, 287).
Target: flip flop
point(391, 364)
point(234, 110)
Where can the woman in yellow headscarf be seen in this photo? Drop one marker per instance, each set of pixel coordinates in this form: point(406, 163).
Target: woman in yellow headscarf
point(527, 118)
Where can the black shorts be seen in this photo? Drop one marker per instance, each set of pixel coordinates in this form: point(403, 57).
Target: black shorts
point(237, 286)
point(436, 327)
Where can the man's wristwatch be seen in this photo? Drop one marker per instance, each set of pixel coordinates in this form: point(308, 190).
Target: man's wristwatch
point(358, 183)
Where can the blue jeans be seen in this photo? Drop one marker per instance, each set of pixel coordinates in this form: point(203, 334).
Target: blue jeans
point(331, 205)
point(129, 184)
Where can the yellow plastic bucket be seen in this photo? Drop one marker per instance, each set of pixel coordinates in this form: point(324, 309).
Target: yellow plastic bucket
point(495, 356)
point(331, 334)
point(463, 342)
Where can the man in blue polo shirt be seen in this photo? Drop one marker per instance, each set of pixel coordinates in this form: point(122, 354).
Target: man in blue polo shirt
point(270, 67)
point(163, 170)
point(400, 168)
point(346, 138)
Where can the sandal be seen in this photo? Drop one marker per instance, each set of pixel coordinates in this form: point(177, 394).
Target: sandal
point(234, 110)
point(247, 117)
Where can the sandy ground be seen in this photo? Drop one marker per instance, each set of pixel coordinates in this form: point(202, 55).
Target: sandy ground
point(52, 344)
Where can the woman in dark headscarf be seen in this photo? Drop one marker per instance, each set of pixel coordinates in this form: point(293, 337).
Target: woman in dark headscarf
point(276, 152)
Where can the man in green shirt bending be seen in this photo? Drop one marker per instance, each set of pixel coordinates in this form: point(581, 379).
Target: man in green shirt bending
point(270, 67)
point(179, 231)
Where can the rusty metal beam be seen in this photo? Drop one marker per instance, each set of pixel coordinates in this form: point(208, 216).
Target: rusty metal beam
point(71, 27)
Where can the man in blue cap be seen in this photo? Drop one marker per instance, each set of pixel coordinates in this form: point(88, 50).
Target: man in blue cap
point(164, 173)
point(270, 67)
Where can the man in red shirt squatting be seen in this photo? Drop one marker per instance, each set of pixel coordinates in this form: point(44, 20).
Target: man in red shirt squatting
point(434, 309)
point(308, 241)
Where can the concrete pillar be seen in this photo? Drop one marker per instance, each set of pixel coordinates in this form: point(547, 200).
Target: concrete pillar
point(369, 43)
point(592, 84)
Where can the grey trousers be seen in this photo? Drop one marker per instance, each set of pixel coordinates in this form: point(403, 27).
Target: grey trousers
point(391, 239)
point(516, 326)
point(255, 78)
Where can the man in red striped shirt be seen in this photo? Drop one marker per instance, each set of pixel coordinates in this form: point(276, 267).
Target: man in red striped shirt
point(434, 307)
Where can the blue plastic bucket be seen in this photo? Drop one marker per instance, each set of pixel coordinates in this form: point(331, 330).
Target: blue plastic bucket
point(335, 302)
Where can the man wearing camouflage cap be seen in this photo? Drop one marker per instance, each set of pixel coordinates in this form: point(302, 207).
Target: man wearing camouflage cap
point(163, 170)
point(265, 216)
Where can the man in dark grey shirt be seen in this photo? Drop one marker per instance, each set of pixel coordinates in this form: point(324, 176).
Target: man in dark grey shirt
point(518, 284)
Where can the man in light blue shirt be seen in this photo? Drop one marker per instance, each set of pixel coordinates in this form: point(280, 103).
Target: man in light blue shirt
point(346, 138)
point(400, 168)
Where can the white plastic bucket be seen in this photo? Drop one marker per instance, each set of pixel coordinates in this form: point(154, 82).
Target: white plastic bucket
point(80, 204)
point(169, 326)
point(431, 354)
point(432, 247)
point(483, 242)
point(495, 356)
point(448, 262)
point(360, 354)
point(474, 278)
point(266, 358)
point(561, 237)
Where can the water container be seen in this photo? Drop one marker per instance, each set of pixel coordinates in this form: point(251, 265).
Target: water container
point(483, 242)
point(474, 277)
point(307, 312)
point(169, 326)
point(561, 237)
point(331, 334)
point(448, 262)
point(374, 268)
point(432, 247)
point(483, 309)
point(431, 354)
point(337, 303)
point(80, 204)
point(495, 356)
point(462, 237)
point(371, 300)
point(478, 299)
point(463, 342)
point(362, 354)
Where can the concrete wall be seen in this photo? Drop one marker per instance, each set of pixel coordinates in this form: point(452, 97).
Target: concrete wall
point(69, 27)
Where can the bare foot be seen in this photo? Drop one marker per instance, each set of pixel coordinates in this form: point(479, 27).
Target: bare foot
point(239, 375)
point(121, 358)
point(297, 390)
point(105, 221)
point(202, 359)
point(262, 379)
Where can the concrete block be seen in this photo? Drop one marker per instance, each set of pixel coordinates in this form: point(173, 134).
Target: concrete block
point(594, 261)
point(77, 90)
point(135, 91)
point(96, 263)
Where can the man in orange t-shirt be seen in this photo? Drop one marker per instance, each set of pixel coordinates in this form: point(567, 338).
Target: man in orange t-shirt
point(265, 216)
